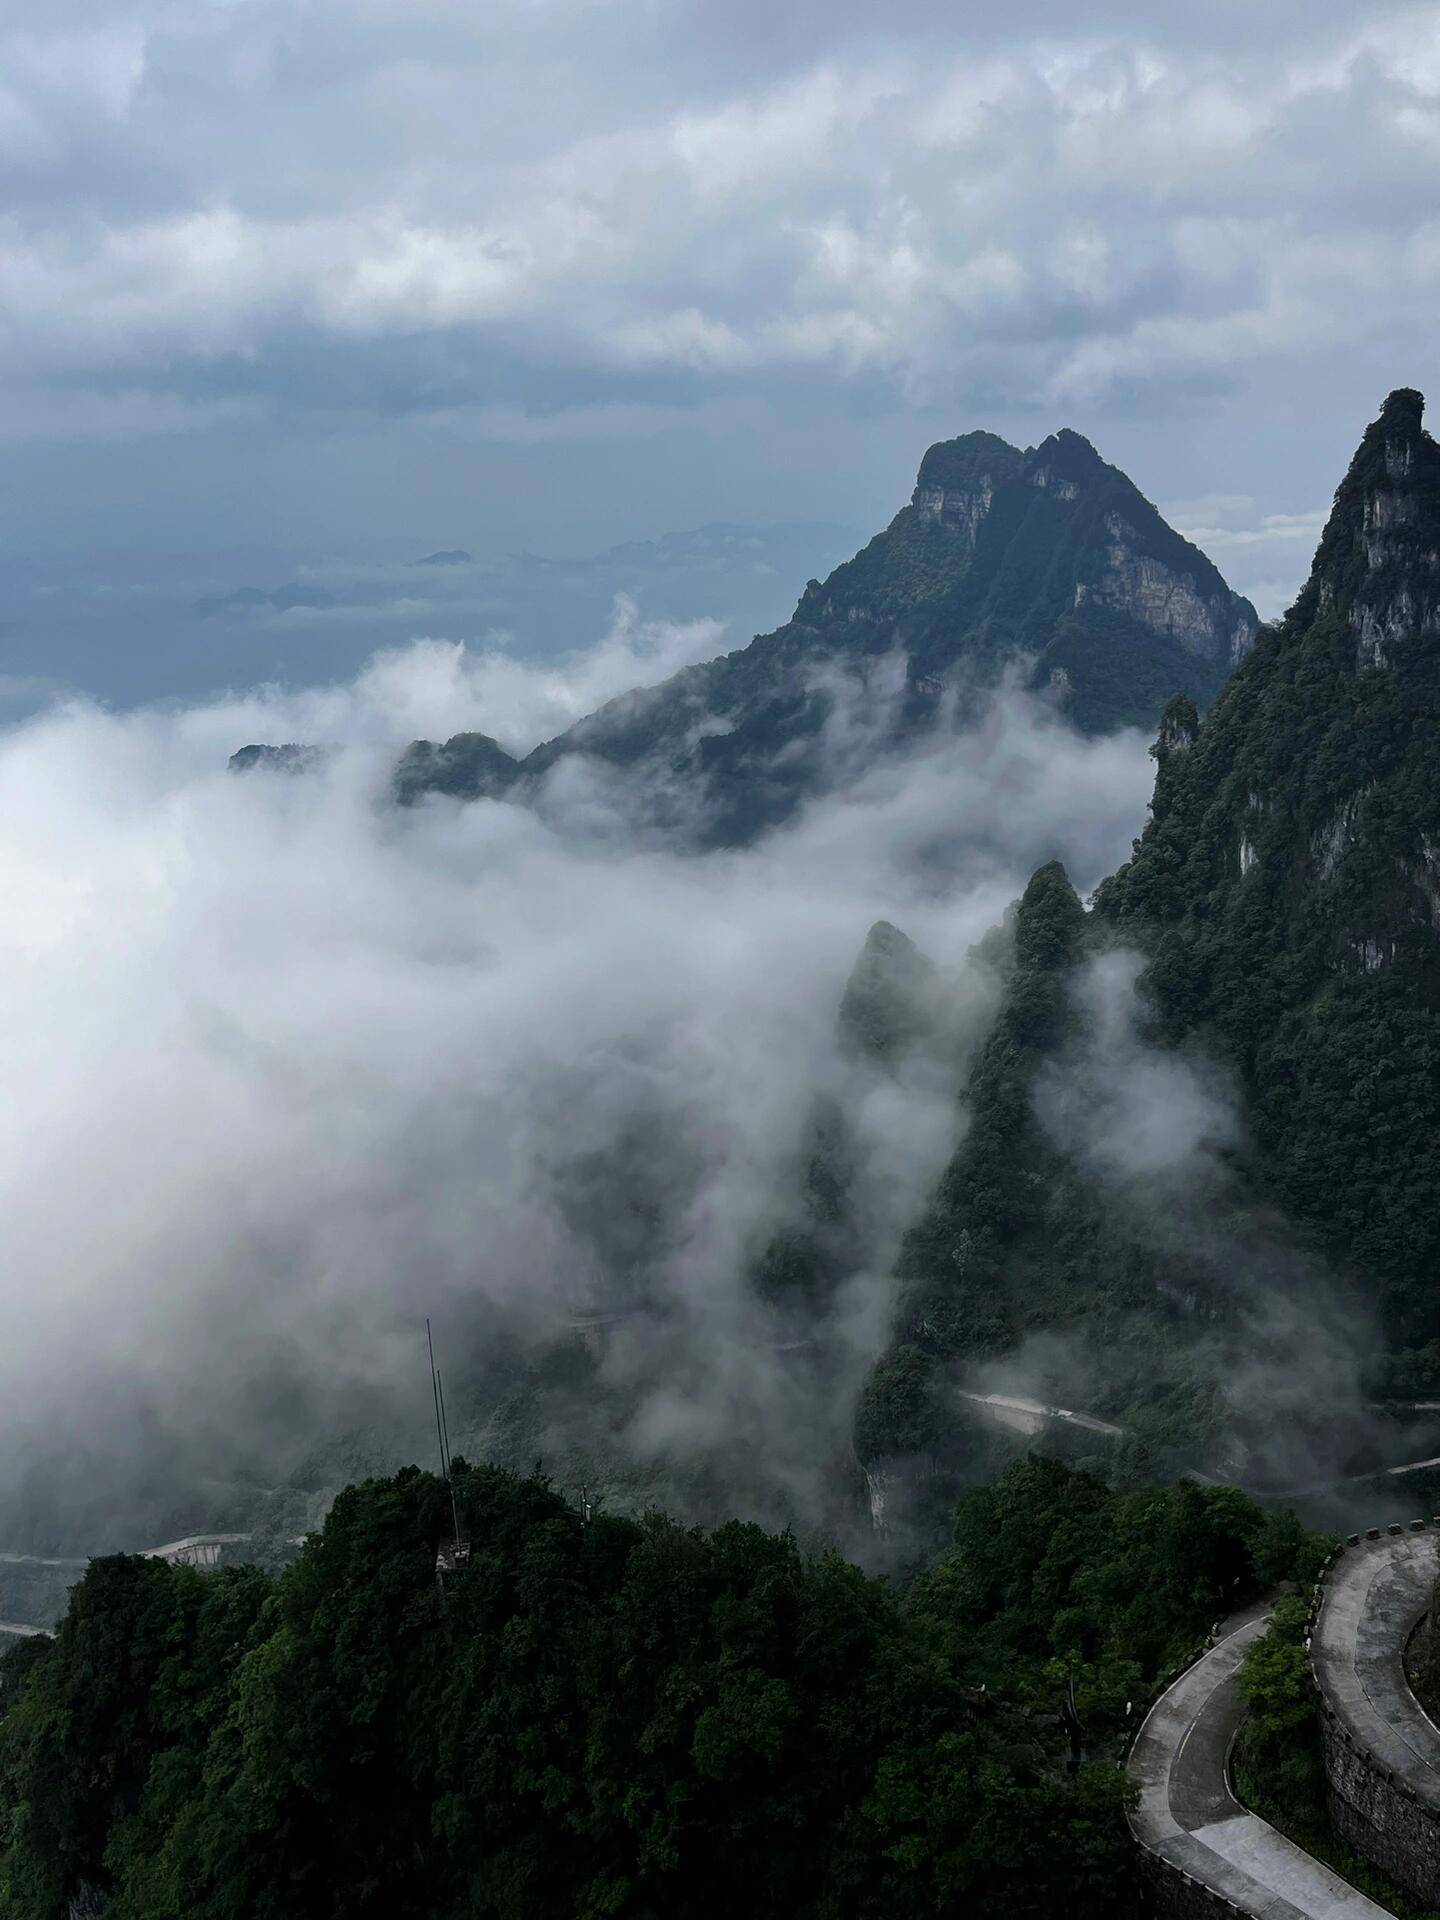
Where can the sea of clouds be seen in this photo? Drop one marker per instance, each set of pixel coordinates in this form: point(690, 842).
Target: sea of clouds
point(290, 1067)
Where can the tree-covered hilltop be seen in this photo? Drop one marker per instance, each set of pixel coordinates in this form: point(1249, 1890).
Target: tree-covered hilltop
point(1048, 557)
point(612, 1717)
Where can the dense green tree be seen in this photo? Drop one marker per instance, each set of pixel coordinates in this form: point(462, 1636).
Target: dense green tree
point(607, 1718)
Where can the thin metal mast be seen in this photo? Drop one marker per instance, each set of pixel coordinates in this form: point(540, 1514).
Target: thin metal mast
point(449, 1478)
point(435, 1393)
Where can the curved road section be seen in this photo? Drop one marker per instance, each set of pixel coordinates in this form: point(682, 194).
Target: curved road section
point(1375, 1595)
point(1188, 1819)
point(1382, 1753)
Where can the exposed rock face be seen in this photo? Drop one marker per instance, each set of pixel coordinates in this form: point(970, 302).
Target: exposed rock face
point(957, 482)
point(1214, 626)
point(1179, 729)
point(1130, 563)
point(1047, 557)
point(1379, 559)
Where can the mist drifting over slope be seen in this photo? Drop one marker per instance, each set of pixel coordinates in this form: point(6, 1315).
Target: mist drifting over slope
point(290, 1067)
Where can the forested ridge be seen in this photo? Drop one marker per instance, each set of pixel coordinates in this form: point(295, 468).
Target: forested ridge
point(614, 1716)
point(1280, 913)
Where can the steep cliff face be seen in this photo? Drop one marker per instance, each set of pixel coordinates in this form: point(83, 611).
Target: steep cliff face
point(1284, 900)
point(1064, 557)
point(1047, 556)
point(1287, 888)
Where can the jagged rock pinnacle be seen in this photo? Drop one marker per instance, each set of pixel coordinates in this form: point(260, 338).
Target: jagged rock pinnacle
point(1404, 410)
point(1378, 562)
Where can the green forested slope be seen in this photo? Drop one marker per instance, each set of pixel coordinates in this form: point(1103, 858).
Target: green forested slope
point(1284, 900)
point(617, 1718)
point(1287, 889)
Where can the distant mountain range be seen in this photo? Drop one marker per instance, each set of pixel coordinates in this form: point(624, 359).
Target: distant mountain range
point(1047, 560)
point(250, 600)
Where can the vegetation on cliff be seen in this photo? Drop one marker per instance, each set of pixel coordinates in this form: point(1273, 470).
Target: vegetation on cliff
point(1287, 889)
point(1284, 904)
point(1278, 1762)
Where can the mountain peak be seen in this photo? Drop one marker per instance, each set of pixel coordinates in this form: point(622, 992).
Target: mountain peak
point(1404, 410)
point(958, 478)
point(890, 999)
point(1378, 562)
point(1047, 557)
point(1068, 454)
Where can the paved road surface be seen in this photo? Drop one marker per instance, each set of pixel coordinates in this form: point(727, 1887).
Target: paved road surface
point(1188, 1815)
point(1375, 1594)
point(1029, 1416)
point(191, 1544)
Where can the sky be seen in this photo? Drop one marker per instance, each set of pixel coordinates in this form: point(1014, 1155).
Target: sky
point(296, 284)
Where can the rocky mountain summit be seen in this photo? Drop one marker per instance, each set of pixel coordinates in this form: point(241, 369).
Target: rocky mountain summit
point(1047, 562)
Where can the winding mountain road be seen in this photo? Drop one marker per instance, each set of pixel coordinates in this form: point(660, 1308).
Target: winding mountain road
point(195, 1550)
point(1375, 1595)
point(1188, 1817)
point(1026, 1416)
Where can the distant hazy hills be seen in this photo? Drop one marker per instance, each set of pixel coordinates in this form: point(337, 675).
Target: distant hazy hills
point(127, 629)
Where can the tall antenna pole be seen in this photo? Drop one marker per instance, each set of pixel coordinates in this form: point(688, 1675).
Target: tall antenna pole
point(435, 1393)
point(449, 1478)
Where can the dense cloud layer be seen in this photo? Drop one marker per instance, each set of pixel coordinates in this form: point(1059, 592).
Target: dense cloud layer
point(552, 275)
point(289, 1068)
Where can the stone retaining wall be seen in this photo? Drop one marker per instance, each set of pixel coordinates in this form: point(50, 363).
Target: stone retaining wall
point(1176, 1895)
point(1379, 1815)
point(1377, 1811)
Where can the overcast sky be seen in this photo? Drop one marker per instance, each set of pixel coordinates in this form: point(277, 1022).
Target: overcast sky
point(300, 277)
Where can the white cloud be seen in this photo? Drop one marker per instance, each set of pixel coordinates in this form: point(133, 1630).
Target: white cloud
point(1096, 209)
point(289, 1068)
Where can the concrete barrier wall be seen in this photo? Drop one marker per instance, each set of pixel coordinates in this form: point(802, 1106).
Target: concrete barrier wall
point(1379, 1815)
point(1376, 1810)
point(1177, 1896)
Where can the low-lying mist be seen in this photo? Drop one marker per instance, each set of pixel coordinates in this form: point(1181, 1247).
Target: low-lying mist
point(291, 1068)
